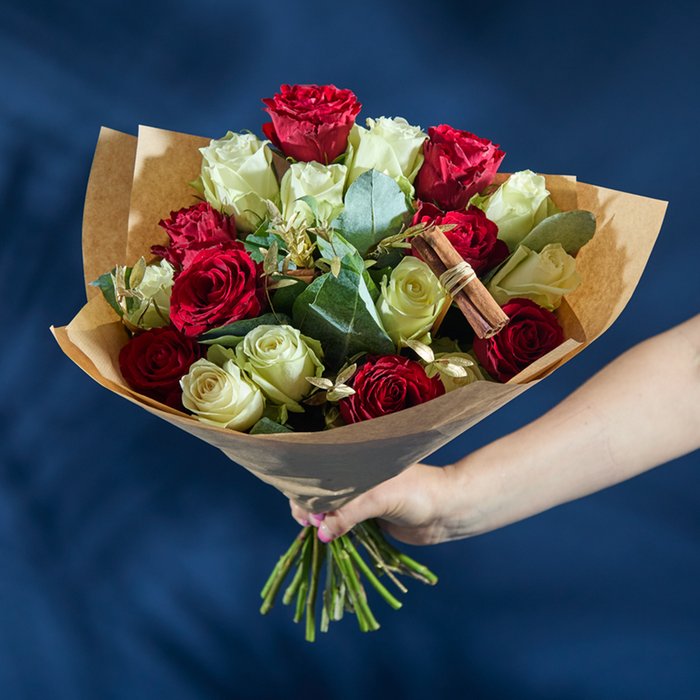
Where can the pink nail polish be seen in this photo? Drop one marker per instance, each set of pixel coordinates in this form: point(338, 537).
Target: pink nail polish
point(324, 535)
point(317, 519)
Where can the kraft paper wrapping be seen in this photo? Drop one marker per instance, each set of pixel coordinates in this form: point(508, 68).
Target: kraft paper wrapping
point(136, 182)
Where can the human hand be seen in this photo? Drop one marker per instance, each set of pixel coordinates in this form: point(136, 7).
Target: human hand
point(412, 507)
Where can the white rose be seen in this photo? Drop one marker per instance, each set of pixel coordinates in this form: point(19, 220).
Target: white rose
point(278, 359)
point(464, 360)
point(390, 146)
point(237, 178)
point(325, 183)
point(222, 396)
point(151, 297)
point(517, 206)
point(410, 301)
point(542, 277)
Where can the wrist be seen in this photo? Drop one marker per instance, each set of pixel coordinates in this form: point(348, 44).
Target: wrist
point(463, 507)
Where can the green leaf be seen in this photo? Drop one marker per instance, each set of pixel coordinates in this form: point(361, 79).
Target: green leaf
point(339, 311)
point(106, 285)
point(219, 355)
point(283, 298)
point(260, 238)
point(226, 341)
point(244, 326)
point(573, 229)
point(338, 247)
point(266, 426)
point(375, 207)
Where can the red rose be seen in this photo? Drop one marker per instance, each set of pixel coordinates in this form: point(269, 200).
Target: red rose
point(531, 333)
point(474, 236)
point(311, 122)
point(218, 286)
point(457, 165)
point(154, 361)
point(388, 384)
point(192, 229)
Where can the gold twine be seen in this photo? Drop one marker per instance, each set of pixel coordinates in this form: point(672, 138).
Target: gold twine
point(457, 278)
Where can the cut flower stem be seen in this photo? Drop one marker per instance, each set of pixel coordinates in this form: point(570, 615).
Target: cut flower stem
point(345, 568)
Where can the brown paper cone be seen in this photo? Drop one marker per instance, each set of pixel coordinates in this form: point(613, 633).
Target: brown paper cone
point(148, 178)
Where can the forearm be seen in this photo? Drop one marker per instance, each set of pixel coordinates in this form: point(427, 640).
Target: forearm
point(640, 411)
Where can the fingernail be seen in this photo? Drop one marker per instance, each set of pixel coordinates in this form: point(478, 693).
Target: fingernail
point(324, 533)
point(304, 522)
point(317, 519)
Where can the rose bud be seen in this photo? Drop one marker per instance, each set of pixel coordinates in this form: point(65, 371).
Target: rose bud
point(278, 359)
point(518, 205)
point(531, 333)
point(457, 165)
point(410, 301)
point(325, 183)
point(237, 178)
point(472, 235)
point(219, 286)
point(542, 277)
point(390, 146)
point(153, 362)
point(222, 396)
point(191, 229)
point(385, 385)
point(311, 122)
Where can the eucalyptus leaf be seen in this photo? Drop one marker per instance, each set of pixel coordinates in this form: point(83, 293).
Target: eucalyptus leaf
point(244, 326)
point(339, 247)
point(573, 229)
point(375, 207)
point(340, 312)
point(283, 298)
point(105, 283)
point(262, 239)
point(267, 426)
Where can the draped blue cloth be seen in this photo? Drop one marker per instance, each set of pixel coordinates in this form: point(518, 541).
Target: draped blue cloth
point(132, 554)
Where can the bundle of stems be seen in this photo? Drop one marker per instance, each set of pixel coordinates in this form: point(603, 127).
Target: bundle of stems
point(343, 590)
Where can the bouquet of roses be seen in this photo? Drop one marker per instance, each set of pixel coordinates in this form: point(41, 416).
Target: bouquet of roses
point(319, 282)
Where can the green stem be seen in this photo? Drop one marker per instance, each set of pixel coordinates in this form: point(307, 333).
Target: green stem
point(289, 594)
point(304, 586)
point(411, 565)
point(365, 618)
point(328, 591)
point(279, 573)
point(362, 565)
point(379, 561)
point(316, 557)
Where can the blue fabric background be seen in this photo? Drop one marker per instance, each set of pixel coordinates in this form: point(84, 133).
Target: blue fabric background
point(132, 555)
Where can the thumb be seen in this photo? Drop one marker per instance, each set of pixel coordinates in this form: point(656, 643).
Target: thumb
point(339, 522)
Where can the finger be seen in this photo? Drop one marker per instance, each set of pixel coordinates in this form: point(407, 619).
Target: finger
point(299, 514)
point(338, 522)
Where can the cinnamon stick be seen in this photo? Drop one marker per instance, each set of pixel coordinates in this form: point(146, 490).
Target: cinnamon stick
point(480, 309)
